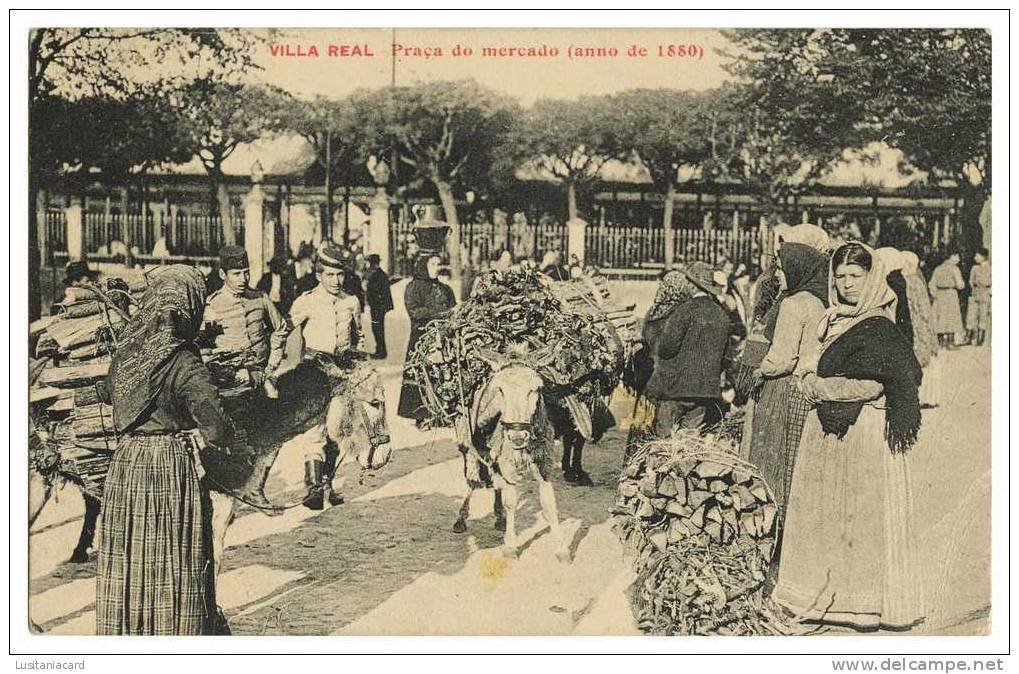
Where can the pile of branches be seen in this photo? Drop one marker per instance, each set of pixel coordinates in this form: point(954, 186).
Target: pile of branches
point(516, 313)
point(701, 525)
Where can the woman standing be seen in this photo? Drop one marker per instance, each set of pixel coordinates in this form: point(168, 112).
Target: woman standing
point(673, 291)
point(946, 282)
point(155, 558)
point(791, 329)
point(426, 299)
point(849, 536)
point(925, 341)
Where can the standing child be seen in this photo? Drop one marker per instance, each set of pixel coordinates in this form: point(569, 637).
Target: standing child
point(978, 313)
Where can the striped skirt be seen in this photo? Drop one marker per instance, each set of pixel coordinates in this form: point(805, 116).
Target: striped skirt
point(155, 570)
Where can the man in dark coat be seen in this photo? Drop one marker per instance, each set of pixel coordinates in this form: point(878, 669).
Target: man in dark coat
point(691, 351)
point(304, 272)
point(380, 302)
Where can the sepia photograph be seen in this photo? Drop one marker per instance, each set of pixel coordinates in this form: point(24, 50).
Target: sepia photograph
point(507, 332)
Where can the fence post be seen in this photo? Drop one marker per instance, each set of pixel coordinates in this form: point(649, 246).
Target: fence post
point(75, 239)
point(45, 246)
point(575, 230)
point(254, 239)
point(378, 229)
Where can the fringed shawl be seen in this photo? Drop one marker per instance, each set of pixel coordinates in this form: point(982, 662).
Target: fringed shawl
point(168, 320)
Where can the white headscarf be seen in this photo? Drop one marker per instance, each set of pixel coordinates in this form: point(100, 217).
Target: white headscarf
point(876, 299)
point(808, 235)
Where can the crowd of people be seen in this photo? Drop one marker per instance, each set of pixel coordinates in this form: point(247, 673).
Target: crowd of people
point(155, 563)
point(839, 358)
point(831, 352)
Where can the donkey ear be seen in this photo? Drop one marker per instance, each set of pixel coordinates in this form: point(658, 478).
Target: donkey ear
point(494, 359)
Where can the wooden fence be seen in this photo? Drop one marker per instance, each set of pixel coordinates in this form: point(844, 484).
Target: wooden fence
point(186, 234)
point(614, 246)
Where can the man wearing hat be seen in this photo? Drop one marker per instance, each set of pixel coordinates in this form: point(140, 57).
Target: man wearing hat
point(330, 323)
point(77, 278)
point(250, 323)
point(691, 350)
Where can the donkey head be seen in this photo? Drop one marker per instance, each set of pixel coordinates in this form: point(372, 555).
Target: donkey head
point(360, 426)
point(512, 396)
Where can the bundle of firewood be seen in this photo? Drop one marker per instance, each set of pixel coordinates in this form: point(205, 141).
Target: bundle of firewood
point(517, 314)
point(74, 349)
point(701, 524)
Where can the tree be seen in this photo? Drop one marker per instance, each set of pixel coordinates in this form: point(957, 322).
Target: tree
point(788, 119)
point(69, 63)
point(924, 92)
point(220, 116)
point(335, 129)
point(931, 99)
point(569, 140)
point(667, 129)
point(444, 133)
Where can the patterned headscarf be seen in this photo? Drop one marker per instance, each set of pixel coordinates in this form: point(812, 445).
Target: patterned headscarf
point(674, 289)
point(168, 319)
point(876, 299)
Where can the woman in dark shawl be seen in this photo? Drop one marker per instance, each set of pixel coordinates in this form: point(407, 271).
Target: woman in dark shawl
point(849, 540)
point(674, 290)
point(155, 567)
point(426, 299)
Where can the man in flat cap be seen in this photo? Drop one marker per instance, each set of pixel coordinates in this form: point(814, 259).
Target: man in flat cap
point(329, 319)
point(250, 323)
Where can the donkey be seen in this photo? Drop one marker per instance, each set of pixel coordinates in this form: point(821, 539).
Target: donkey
point(355, 423)
point(504, 435)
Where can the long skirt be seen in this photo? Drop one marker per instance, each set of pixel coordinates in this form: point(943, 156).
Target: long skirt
point(412, 405)
point(849, 541)
point(947, 314)
point(766, 445)
point(156, 574)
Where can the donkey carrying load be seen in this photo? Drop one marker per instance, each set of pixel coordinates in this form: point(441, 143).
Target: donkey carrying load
point(72, 436)
point(516, 371)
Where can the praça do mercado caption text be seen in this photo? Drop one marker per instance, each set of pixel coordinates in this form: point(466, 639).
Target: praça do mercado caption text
point(417, 51)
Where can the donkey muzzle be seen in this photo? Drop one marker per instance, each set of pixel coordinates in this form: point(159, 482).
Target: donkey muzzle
point(518, 434)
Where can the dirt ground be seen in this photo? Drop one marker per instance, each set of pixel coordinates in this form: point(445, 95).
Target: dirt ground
point(387, 561)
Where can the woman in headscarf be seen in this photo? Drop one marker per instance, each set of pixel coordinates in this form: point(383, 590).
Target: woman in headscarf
point(426, 299)
point(790, 327)
point(673, 291)
point(849, 537)
point(945, 284)
point(893, 262)
point(925, 341)
point(155, 568)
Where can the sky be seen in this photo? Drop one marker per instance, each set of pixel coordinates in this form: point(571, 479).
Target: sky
point(432, 54)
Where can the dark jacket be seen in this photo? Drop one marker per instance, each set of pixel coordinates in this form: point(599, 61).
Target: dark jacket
point(378, 295)
point(691, 349)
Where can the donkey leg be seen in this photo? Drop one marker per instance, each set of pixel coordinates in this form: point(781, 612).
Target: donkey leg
point(88, 529)
point(546, 495)
point(460, 526)
point(581, 476)
point(38, 494)
point(500, 512)
point(222, 516)
point(510, 499)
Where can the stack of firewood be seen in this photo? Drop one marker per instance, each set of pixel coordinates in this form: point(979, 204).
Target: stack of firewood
point(518, 314)
point(74, 349)
point(701, 524)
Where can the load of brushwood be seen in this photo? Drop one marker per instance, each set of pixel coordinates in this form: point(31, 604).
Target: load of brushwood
point(71, 428)
point(517, 313)
point(700, 523)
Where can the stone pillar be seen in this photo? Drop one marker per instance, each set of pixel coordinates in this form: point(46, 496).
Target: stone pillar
point(575, 230)
point(254, 234)
point(378, 230)
point(45, 247)
point(75, 231)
